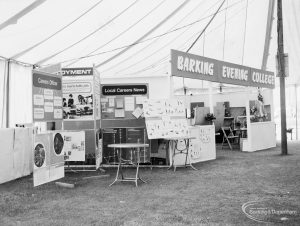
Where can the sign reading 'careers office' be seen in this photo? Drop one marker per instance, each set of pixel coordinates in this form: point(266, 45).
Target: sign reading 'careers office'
point(197, 67)
point(46, 96)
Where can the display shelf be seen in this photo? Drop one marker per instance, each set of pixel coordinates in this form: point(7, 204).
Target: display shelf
point(244, 116)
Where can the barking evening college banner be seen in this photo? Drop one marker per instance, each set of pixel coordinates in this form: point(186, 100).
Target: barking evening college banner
point(46, 96)
point(197, 67)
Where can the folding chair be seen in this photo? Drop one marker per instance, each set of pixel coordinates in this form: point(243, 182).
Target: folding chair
point(229, 137)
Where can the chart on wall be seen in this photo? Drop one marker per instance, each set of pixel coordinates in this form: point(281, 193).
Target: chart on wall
point(74, 145)
point(166, 128)
point(46, 96)
point(200, 149)
point(77, 88)
point(165, 118)
point(123, 101)
point(164, 107)
point(48, 158)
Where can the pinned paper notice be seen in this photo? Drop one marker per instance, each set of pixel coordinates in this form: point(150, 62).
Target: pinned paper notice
point(129, 103)
point(140, 100)
point(57, 101)
point(58, 113)
point(119, 103)
point(48, 106)
point(119, 113)
point(104, 100)
point(137, 112)
point(111, 102)
point(38, 99)
point(38, 113)
point(48, 94)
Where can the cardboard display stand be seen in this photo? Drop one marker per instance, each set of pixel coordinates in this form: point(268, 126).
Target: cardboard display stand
point(165, 118)
point(48, 157)
point(74, 145)
point(81, 109)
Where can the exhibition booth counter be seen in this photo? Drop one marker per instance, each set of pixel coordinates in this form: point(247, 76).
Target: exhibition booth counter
point(261, 135)
point(16, 159)
point(202, 145)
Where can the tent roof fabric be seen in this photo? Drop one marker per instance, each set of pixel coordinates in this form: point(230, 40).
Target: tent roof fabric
point(106, 27)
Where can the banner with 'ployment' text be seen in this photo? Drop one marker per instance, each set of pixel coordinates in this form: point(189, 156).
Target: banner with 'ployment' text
point(197, 67)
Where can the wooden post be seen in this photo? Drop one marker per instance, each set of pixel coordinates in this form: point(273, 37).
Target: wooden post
point(7, 93)
point(281, 72)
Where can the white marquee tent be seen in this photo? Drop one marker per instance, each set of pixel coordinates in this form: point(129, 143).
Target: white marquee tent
point(128, 38)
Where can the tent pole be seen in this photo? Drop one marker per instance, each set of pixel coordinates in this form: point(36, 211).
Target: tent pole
point(211, 106)
point(281, 63)
point(7, 92)
point(296, 99)
point(268, 34)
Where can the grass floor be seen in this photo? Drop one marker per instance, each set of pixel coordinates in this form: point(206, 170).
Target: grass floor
point(213, 195)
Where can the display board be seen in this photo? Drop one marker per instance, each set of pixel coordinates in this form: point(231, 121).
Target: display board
point(123, 101)
point(78, 97)
point(202, 148)
point(164, 128)
point(46, 96)
point(48, 162)
point(165, 118)
point(82, 111)
point(74, 145)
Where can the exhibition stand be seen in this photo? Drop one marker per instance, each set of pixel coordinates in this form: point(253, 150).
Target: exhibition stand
point(248, 112)
point(48, 154)
point(122, 121)
point(81, 112)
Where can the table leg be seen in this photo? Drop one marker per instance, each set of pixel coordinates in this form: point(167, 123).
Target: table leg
point(137, 167)
point(137, 175)
point(173, 155)
point(118, 170)
point(188, 156)
point(186, 141)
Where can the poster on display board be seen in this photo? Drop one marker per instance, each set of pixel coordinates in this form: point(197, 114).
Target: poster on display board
point(164, 107)
point(161, 128)
point(77, 89)
point(200, 149)
point(46, 97)
point(74, 145)
point(123, 101)
point(48, 164)
point(165, 118)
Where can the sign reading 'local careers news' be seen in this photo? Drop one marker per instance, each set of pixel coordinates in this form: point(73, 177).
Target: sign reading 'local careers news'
point(46, 96)
point(124, 90)
point(198, 67)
